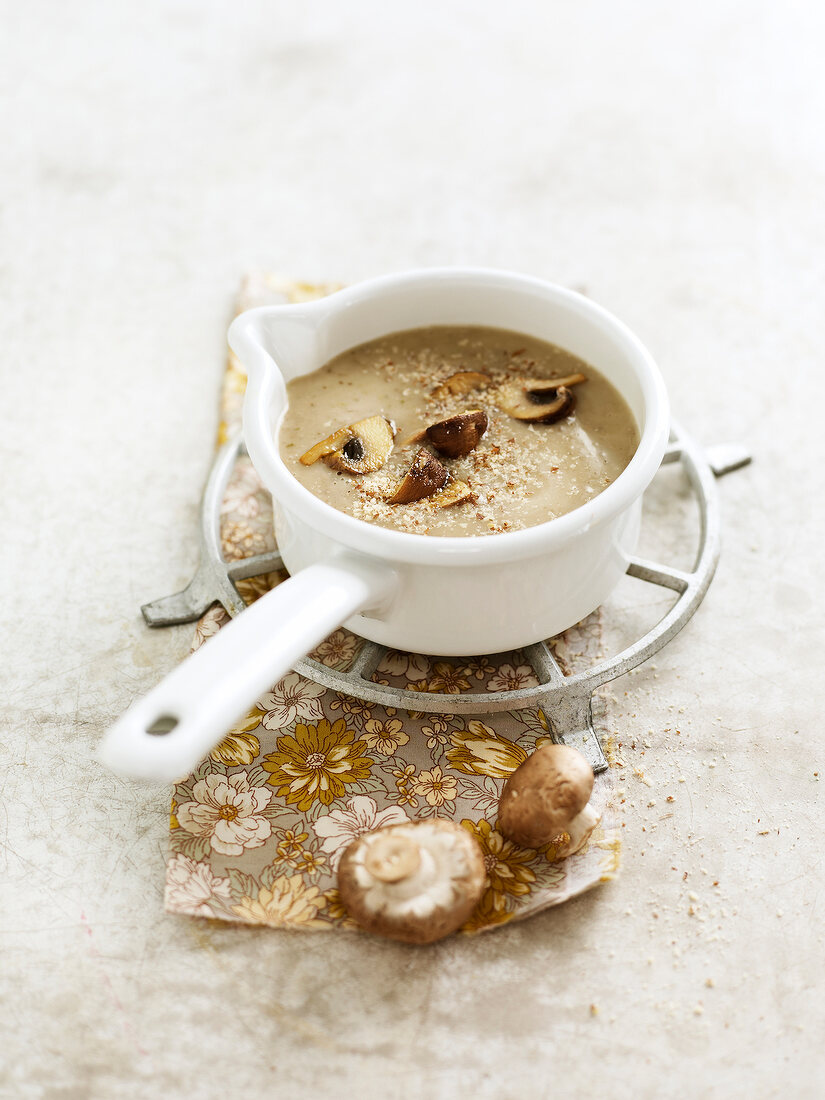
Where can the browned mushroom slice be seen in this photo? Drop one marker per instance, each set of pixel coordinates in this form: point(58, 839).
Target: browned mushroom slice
point(458, 435)
point(550, 410)
point(541, 402)
point(546, 387)
point(425, 477)
point(454, 492)
point(368, 448)
point(326, 446)
point(463, 381)
point(360, 448)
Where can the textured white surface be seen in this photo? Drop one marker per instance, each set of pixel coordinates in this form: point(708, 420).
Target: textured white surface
point(669, 159)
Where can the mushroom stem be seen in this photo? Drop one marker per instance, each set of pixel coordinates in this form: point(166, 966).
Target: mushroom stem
point(577, 832)
point(392, 858)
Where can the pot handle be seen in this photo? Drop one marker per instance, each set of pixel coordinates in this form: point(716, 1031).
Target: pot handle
point(166, 734)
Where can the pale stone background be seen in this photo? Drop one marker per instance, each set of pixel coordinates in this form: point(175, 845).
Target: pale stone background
point(670, 159)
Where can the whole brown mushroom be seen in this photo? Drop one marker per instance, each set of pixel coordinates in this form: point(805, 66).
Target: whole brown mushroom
point(414, 882)
point(546, 799)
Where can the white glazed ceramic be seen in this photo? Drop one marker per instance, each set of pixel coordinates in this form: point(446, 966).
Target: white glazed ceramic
point(450, 596)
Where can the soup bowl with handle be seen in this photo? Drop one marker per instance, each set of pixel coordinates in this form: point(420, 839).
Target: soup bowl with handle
point(437, 595)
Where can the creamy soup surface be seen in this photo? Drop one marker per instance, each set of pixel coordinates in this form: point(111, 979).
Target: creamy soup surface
point(520, 473)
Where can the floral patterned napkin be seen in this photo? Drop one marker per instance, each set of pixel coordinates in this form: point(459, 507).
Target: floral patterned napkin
point(258, 829)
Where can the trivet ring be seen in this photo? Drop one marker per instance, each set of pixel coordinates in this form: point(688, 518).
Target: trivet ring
point(565, 700)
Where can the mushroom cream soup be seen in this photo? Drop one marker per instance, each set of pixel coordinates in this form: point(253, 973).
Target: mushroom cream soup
point(454, 430)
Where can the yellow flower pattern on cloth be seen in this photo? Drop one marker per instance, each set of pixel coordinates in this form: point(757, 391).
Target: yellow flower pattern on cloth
point(436, 788)
point(258, 830)
point(385, 737)
point(239, 746)
point(317, 762)
point(286, 903)
point(479, 750)
point(507, 865)
point(227, 811)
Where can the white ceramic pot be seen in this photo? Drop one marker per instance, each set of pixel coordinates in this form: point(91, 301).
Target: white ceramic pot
point(431, 595)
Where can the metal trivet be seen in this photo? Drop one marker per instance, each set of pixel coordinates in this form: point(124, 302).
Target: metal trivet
point(565, 700)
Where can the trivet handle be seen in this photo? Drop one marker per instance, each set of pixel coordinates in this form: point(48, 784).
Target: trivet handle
point(168, 732)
